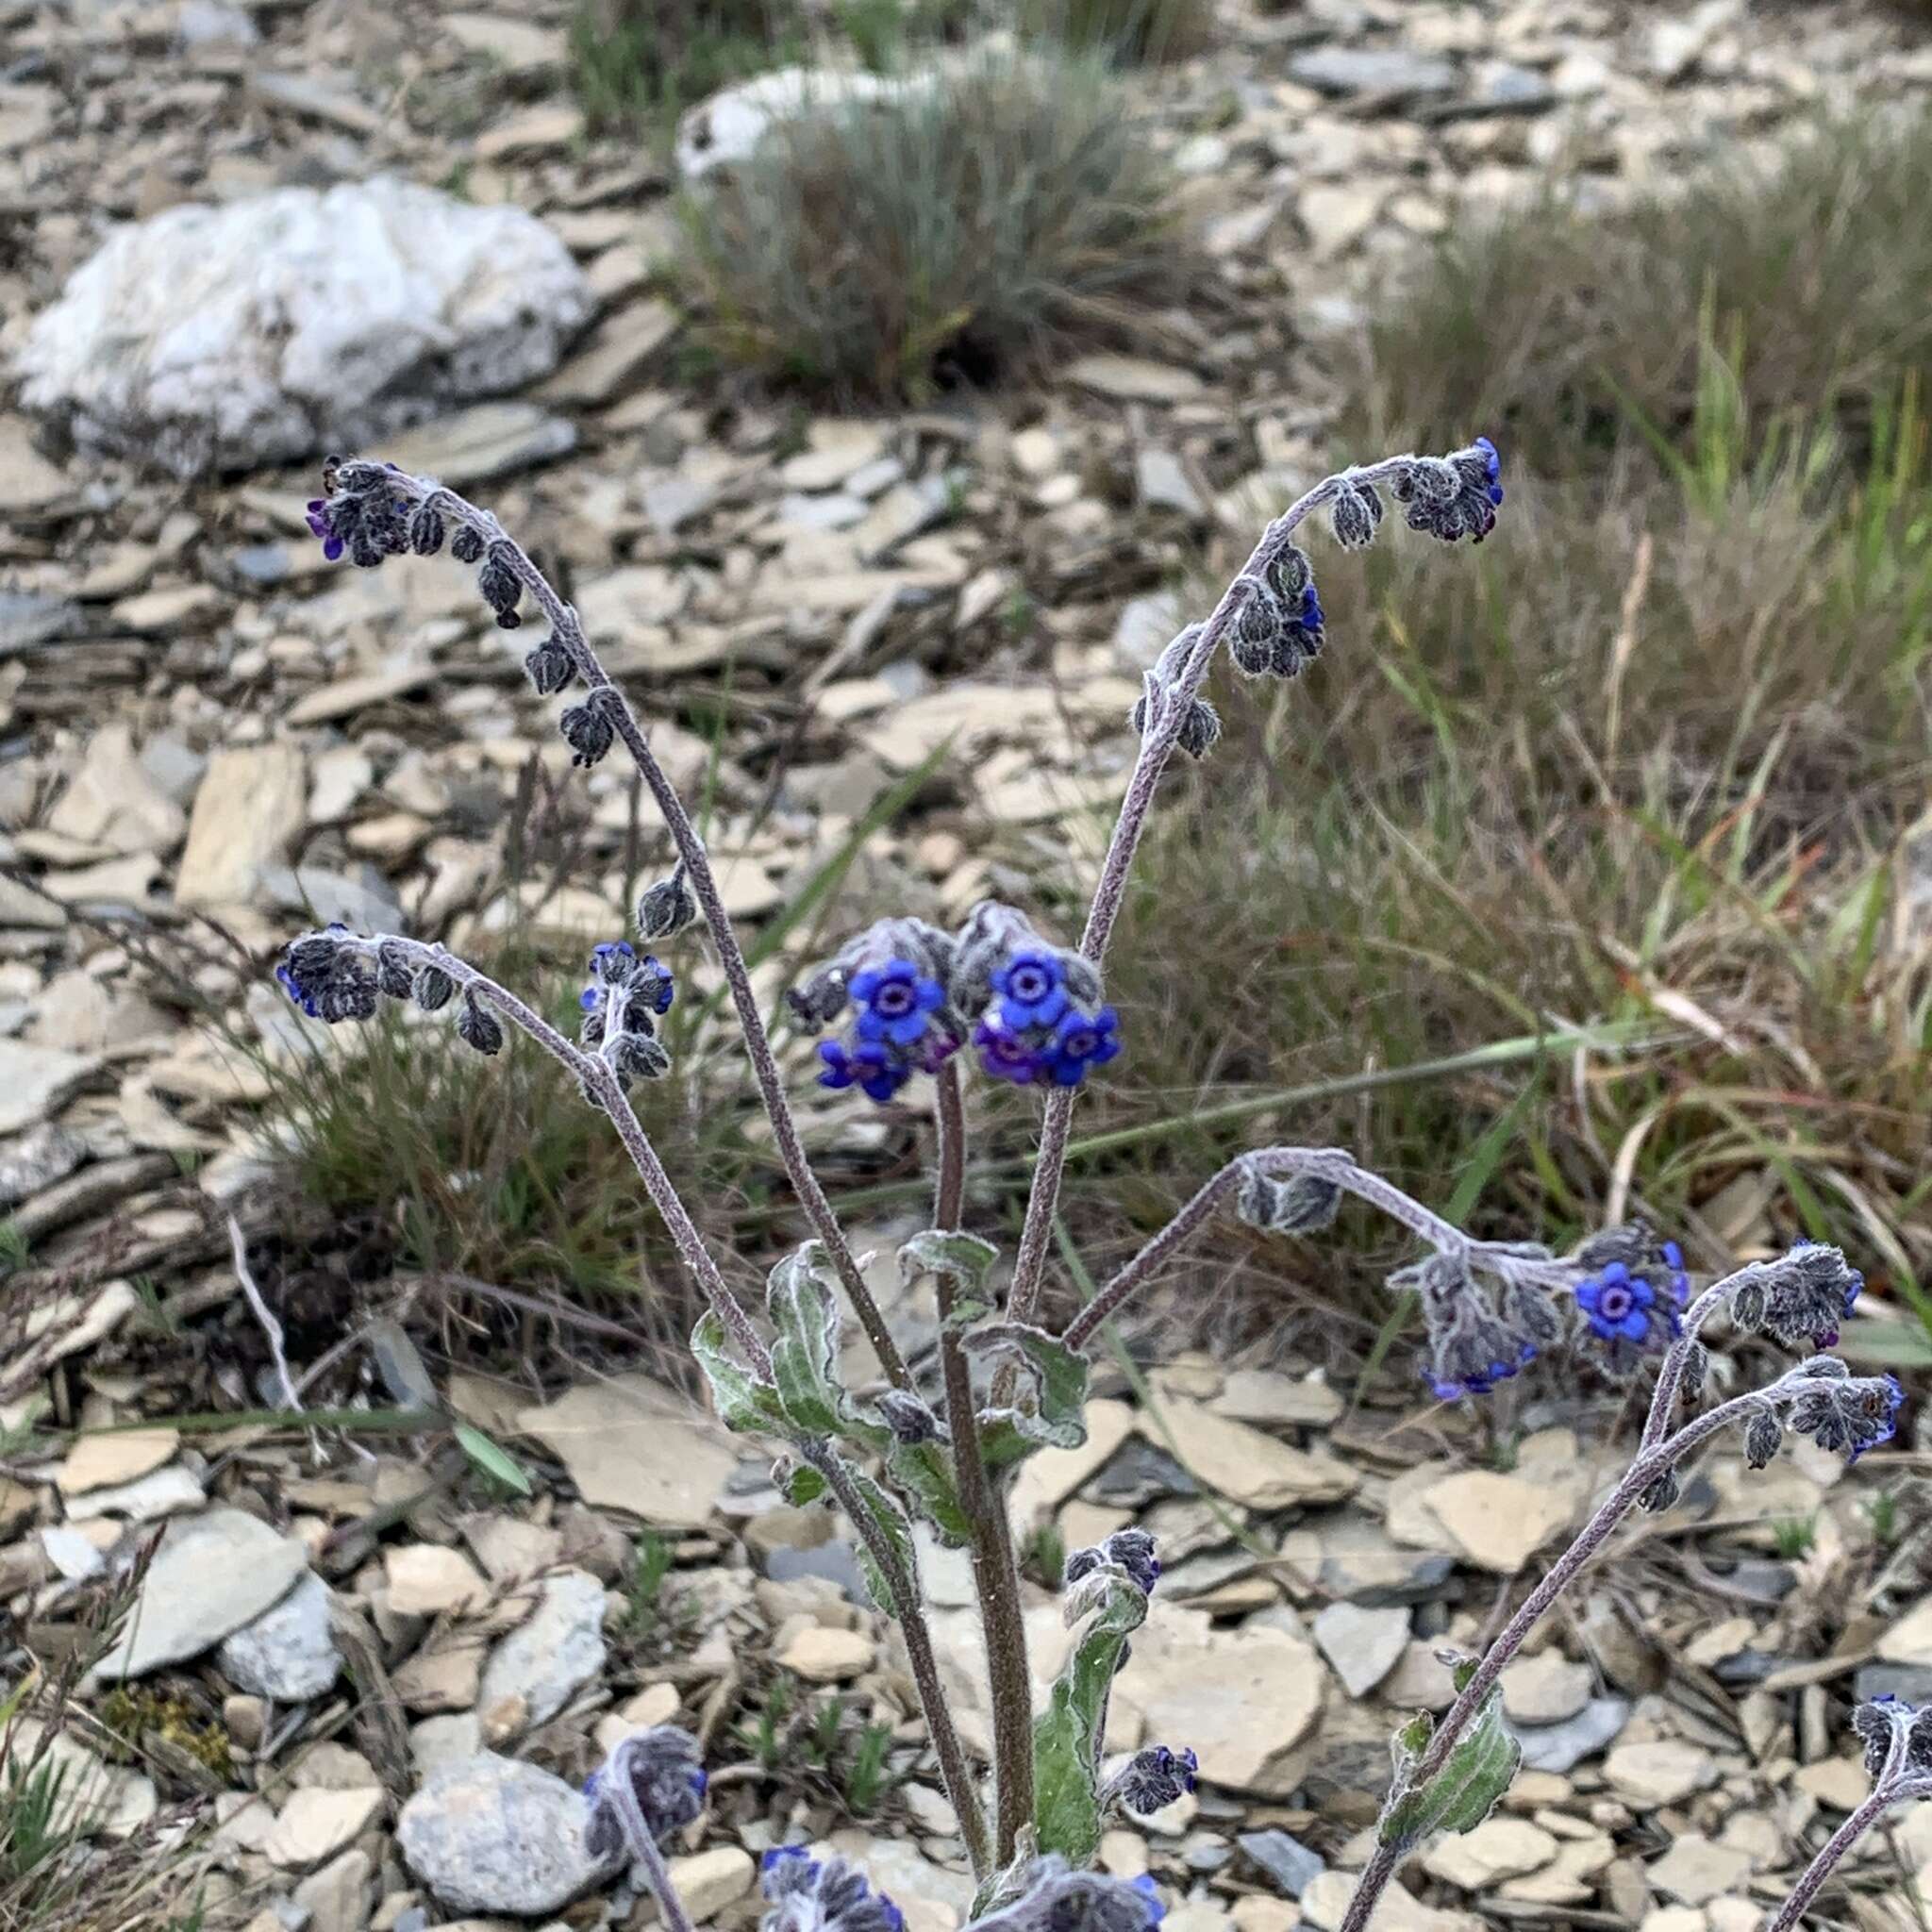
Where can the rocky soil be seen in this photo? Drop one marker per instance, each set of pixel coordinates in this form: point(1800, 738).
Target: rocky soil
point(375, 1683)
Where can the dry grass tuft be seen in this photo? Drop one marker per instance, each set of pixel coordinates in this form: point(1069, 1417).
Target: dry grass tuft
point(884, 251)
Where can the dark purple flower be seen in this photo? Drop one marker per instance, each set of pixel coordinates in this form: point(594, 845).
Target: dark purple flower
point(320, 526)
point(1005, 1054)
point(869, 1065)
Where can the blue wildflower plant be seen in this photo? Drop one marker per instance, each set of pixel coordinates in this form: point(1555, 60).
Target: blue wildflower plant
point(1037, 1013)
point(1469, 1344)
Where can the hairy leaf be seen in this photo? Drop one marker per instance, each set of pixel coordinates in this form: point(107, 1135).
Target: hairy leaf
point(1050, 1410)
point(891, 1521)
point(801, 1296)
point(1473, 1777)
point(1067, 1734)
point(742, 1399)
point(963, 1259)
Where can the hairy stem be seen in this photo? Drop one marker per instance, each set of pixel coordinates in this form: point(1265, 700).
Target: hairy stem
point(1888, 1788)
point(909, 1607)
point(1590, 1539)
point(568, 631)
point(671, 1909)
point(1331, 1164)
point(1169, 713)
point(600, 1081)
point(996, 1574)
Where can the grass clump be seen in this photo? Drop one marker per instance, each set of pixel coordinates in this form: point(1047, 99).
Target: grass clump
point(1124, 30)
point(1554, 330)
point(940, 234)
point(637, 64)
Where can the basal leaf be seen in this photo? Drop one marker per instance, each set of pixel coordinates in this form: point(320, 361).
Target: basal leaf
point(1067, 1734)
point(1473, 1777)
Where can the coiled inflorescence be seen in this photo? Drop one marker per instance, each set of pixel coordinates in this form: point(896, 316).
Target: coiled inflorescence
point(1055, 1898)
point(653, 1784)
point(1153, 1779)
point(1799, 1299)
point(1846, 1413)
point(335, 976)
point(808, 1894)
point(1454, 496)
point(1132, 1550)
point(627, 994)
point(1470, 1346)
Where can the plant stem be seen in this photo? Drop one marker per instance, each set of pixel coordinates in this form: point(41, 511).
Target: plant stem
point(1449, 1729)
point(996, 1573)
point(568, 631)
point(1332, 1164)
point(1888, 1788)
point(657, 1875)
point(1168, 711)
point(910, 1607)
point(600, 1080)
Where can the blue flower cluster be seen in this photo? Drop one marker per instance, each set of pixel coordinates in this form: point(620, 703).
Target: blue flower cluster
point(810, 1894)
point(615, 963)
point(1800, 1298)
point(1844, 1413)
point(1471, 1347)
point(1622, 1306)
point(898, 1031)
point(1454, 496)
point(1035, 1032)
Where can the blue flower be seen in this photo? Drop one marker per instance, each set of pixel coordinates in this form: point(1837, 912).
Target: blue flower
point(1144, 1885)
point(1618, 1303)
point(869, 1065)
point(1880, 1413)
point(1032, 991)
point(319, 525)
point(1494, 464)
point(1082, 1041)
point(896, 1002)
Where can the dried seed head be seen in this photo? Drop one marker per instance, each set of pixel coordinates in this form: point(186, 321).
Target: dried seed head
point(466, 546)
point(1763, 1434)
point(1302, 1204)
point(1355, 514)
point(638, 1056)
point(425, 531)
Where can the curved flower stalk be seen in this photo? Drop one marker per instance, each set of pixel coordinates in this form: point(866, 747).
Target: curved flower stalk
point(1271, 618)
point(375, 511)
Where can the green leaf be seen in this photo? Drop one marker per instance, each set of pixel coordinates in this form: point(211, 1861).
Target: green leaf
point(892, 1519)
point(742, 1401)
point(491, 1458)
point(1050, 1410)
point(924, 1471)
point(1473, 1777)
point(963, 1259)
point(800, 1484)
point(801, 1295)
point(1067, 1734)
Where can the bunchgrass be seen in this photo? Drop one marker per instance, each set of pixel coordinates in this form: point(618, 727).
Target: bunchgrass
point(944, 234)
point(637, 64)
point(1124, 30)
point(1554, 328)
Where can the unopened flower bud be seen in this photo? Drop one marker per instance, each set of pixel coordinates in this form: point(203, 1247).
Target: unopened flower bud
point(432, 988)
point(667, 908)
point(425, 531)
point(478, 1027)
point(586, 729)
point(1763, 1433)
point(548, 668)
point(466, 546)
point(909, 1419)
point(499, 584)
point(1355, 515)
point(1662, 1492)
